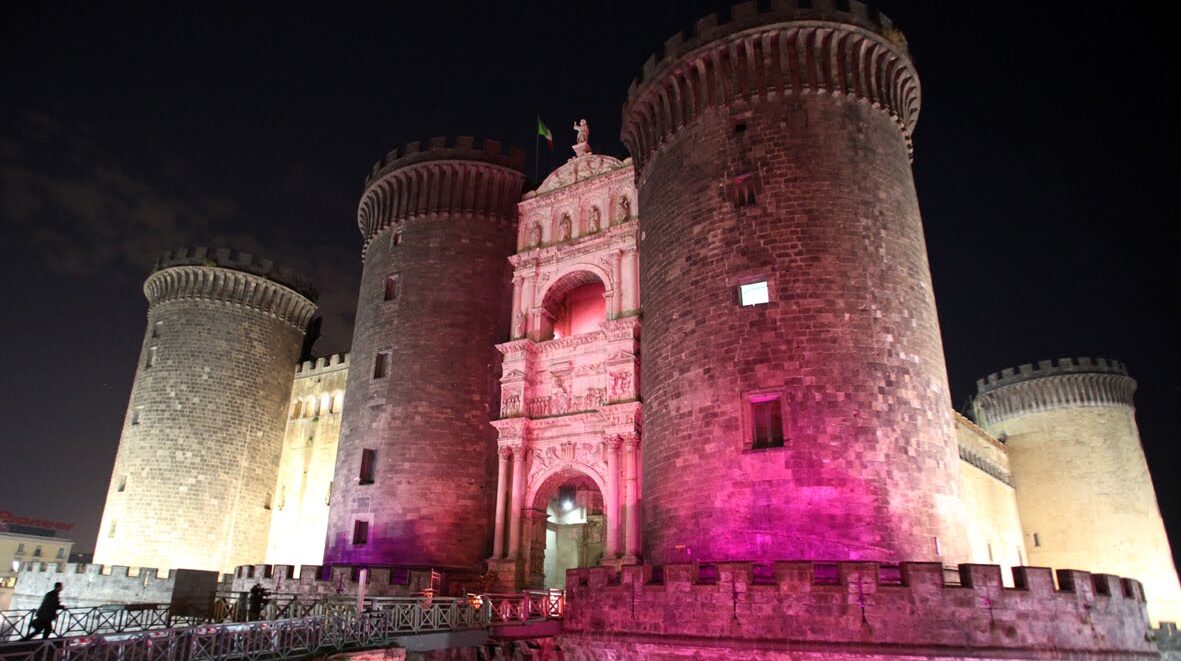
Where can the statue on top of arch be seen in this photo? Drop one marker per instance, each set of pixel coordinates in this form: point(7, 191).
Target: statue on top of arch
point(581, 146)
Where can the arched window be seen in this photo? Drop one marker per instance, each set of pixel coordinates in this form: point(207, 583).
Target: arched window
point(575, 304)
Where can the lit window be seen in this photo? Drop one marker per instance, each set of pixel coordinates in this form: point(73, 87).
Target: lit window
point(381, 365)
point(754, 293)
point(368, 466)
point(360, 532)
point(766, 424)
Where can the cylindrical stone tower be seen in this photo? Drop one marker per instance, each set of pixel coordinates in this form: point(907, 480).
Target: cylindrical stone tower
point(1083, 489)
point(200, 447)
point(415, 469)
point(796, 402)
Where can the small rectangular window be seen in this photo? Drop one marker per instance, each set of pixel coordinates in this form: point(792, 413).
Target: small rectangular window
point(368, 466)
point(151, 357)
point(37, 552)
point(1037, 540)
point(135, 414)
point(391, 288)
point(266, 504)
point(156, 328)
point(61, 553)
point(111, 532)
point(381, 365)
point(396, 239)
point(360, 532)
point(20, 549)
point(754, 293)
point(122, 484)
point(766, 424)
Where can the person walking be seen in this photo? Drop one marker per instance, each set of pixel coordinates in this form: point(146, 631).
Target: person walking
point(47, 613)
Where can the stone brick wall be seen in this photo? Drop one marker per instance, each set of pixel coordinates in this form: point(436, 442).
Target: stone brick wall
point(87, 585)
point(439, 224)
point(745, 173)
point(1082, 482)
point(197, 459)
point(988, 497)
point(740, 610)
point(313, 581)
point(299, 513)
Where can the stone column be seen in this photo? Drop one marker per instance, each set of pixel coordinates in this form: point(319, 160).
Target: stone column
point(518, 327)
point(611, 500)
point(501, 488)
point(617, 276)
point(631, 500)
point(518, 502)
point(528, 286)
point(631, 282)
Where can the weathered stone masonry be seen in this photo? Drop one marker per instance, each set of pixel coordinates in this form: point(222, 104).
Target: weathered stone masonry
point(195, 470)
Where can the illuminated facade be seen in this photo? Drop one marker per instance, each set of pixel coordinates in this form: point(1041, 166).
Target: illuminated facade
point(763, 258)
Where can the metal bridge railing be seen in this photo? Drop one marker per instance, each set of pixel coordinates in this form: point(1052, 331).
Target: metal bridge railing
point(342, 628)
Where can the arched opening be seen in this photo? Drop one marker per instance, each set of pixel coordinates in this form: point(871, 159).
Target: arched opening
point(574, 526)
point(575, 304)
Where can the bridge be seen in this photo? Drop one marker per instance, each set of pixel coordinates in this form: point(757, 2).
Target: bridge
point(149, 632)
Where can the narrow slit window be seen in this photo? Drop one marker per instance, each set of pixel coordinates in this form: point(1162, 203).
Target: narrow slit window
point(368, 466)
point(156, 328)
point(391, 288)
point(381, 365)
point(151, 357)
point(766, 424)
point(1037, 540)
point(360, 532)
point(122, 484)
point(396, 239)
point(111, 531)
point(136, 413)
point(754, 293)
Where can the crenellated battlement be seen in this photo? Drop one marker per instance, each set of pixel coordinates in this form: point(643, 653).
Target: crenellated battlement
point(322, 364)
point(459, 148)
point(1044, 368)
point(230, 277)
point(318, 579)
point(1064, 383)
point(228, 258)
point(444, 177)
point(904, 607)
point(792, 47)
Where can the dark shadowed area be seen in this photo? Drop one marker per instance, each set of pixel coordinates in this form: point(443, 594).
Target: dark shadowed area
point(1041, 162)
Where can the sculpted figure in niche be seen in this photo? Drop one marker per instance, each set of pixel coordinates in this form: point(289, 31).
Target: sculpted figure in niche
point(535, 235)
point(583, 132)
point(625, 208)
point(564, 226)
point(592, 225)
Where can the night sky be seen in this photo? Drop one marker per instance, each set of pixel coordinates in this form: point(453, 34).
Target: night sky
point(1041, 165)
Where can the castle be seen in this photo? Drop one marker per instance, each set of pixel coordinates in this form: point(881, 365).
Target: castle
point(680, 370)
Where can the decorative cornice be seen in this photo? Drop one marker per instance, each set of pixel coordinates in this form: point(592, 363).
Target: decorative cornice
point(788, 50)
point(443, 179)
point(223, 285)
point(985, 465)
point(1067, 384)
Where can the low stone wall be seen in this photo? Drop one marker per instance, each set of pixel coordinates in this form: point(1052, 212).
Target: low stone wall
point(851, 609)
point(87, 585)
point(314, 580)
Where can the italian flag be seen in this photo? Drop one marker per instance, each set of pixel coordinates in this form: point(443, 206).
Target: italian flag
point(544, 132)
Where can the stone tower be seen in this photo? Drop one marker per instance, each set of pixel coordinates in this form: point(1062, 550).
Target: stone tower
point(201, 441)
point(796, 402)
point(1083, 488)
point(415, 469)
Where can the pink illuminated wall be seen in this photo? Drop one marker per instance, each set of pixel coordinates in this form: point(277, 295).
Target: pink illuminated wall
point(583, 311)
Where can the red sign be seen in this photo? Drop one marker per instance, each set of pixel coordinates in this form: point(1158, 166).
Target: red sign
point(7, 517)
